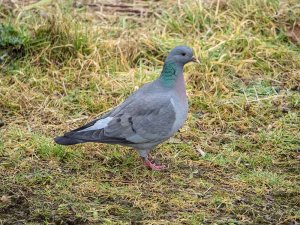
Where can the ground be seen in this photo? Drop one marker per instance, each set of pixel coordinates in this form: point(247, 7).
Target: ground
point(235, 161)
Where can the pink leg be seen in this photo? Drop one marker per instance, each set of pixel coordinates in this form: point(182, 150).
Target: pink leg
point(153, 166)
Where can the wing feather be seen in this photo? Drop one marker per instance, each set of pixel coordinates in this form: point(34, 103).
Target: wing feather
point(139, 121)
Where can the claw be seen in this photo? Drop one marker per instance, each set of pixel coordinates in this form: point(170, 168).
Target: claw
point(153, 166)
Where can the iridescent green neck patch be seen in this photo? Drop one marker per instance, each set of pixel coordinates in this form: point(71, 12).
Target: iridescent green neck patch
point(168, 75)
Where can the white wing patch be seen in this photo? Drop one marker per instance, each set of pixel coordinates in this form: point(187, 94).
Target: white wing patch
point(172, 102)
point(100, 124)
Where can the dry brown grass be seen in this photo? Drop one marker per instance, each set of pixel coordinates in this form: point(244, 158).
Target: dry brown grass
point(62, 66)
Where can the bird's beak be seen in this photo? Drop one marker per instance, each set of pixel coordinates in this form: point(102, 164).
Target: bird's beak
point(194, 59)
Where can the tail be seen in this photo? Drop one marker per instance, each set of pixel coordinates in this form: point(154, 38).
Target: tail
point(62, 140)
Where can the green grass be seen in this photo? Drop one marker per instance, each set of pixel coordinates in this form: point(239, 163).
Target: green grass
point(62, 66)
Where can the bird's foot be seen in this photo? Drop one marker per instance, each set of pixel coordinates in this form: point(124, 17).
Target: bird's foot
point(153, 166)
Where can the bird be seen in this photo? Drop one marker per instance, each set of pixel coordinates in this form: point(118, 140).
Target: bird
point(149, 116)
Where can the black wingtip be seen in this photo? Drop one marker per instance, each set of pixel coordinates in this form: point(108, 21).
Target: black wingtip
point(62, 140)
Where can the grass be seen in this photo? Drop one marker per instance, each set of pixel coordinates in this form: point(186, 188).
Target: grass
point(62, 66)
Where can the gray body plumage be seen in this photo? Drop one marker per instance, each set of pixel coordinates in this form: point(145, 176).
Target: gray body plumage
point(146, 118)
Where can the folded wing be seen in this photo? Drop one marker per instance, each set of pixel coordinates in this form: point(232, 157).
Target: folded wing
point(133, 122)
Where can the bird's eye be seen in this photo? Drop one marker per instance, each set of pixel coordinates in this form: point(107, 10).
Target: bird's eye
point(183, 54)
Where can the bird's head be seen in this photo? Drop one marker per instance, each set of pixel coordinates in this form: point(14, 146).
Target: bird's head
point(181, 55)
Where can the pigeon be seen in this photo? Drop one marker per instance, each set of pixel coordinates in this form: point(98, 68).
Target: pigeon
point(148, 117)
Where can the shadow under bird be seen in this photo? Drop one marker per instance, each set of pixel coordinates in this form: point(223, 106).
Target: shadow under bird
point(148, 117)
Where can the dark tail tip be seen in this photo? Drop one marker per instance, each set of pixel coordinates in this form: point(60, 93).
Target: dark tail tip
point(66, 140)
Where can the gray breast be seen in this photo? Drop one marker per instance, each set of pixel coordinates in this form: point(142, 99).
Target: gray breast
point(181, 110)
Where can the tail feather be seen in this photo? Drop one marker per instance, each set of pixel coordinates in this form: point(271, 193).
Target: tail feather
point(62, 140)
